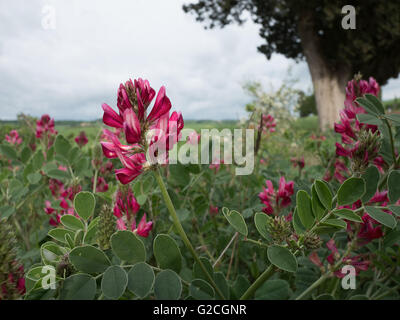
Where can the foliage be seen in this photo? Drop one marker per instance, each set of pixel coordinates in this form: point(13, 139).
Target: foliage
point(198, 231)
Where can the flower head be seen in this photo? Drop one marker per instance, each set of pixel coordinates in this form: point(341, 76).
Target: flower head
point(274, 200)
point(13, 137)
point(81, 139)
point(149, 137)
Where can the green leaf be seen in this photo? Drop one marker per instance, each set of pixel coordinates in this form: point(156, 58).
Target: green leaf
point(324, 194)
point(167, 285)
point(8, 151)
point(394, 186)
point(273, 290)
point(167, 253)
point(337, 223)
point(198, 271)
point(79, 287)
point(220, 281)
point(34, 178)
point(6, 211)
point(62, 146)
point(141, 199)
point(89, 259)
point(58, 174)
point(395, 210)
point(261, 222)
point(297, 225)
point(368, 106)
point(394, 117)
point(371, 178)
point(347, 214)
point(236, 220)
point(201, 290)
point(59, 234)
point(282, 258)
point(90, 236)
point(350, 191)
point(381, 216)
point(25, 155)
point(72, 222)
point(141, 279)
point(114, 282)
point(317, 207)
point(376, 102)
point(84, 204)
point(304, 209)
point(38, 160)
point(369, 119)
point(128, 247)
point(51, 253)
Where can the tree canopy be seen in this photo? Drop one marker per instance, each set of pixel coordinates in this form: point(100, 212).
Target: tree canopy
point(372, 48)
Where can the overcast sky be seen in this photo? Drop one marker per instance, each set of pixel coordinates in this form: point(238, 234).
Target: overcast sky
point(69, 71)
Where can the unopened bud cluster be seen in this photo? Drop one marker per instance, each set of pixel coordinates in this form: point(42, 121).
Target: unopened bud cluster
point(105, 227)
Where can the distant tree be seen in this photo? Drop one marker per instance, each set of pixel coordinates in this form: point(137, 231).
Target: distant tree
point(307, 105)
point(312, 29)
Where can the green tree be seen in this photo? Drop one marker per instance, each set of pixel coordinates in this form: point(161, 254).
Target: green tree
point(312, 30)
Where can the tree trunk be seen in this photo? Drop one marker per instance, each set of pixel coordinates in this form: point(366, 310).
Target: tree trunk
point(329, 83)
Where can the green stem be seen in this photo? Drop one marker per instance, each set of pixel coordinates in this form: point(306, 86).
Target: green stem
point(313, 286)
point(181, 231)
point(256, 284)
point(391, 141)
point(96, 172)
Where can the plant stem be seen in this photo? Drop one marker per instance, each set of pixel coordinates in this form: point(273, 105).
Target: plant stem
point(391, 141)
point(256, 284)
point(96, 172)
point(313, 286)
point(226, 248)
point(181, 231)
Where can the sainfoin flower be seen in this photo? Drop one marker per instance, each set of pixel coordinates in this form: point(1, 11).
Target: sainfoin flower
point(149, 136)
point(274, 200)
point(81, 139)
point(64, 196)
point(359, 140)
point(13, 137)
point(298, 162)
point(125, 210)
point(45, 126)
point(357, 262)
point(213, 210)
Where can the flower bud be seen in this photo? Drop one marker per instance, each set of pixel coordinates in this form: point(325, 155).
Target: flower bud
point(12, 283)
point(279, 228)
point(105, 227)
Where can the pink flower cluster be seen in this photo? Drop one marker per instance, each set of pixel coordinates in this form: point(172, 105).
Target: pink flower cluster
point(13, 137)
point(45, 129)
point(65, 196)
point(17, 280)
point(133, 101)
point(298, 162)
point(349, 126)
point(81, 140)
point(356, 261)
point(273, 200)
point(213, 210)
point(125, 210)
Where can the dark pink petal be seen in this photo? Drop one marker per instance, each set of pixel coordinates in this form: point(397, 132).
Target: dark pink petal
point(111, 118)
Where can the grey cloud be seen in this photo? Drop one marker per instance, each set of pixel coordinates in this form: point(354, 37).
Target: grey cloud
point(70, 71)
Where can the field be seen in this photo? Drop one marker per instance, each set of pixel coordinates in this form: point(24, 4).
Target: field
point(93, 214)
